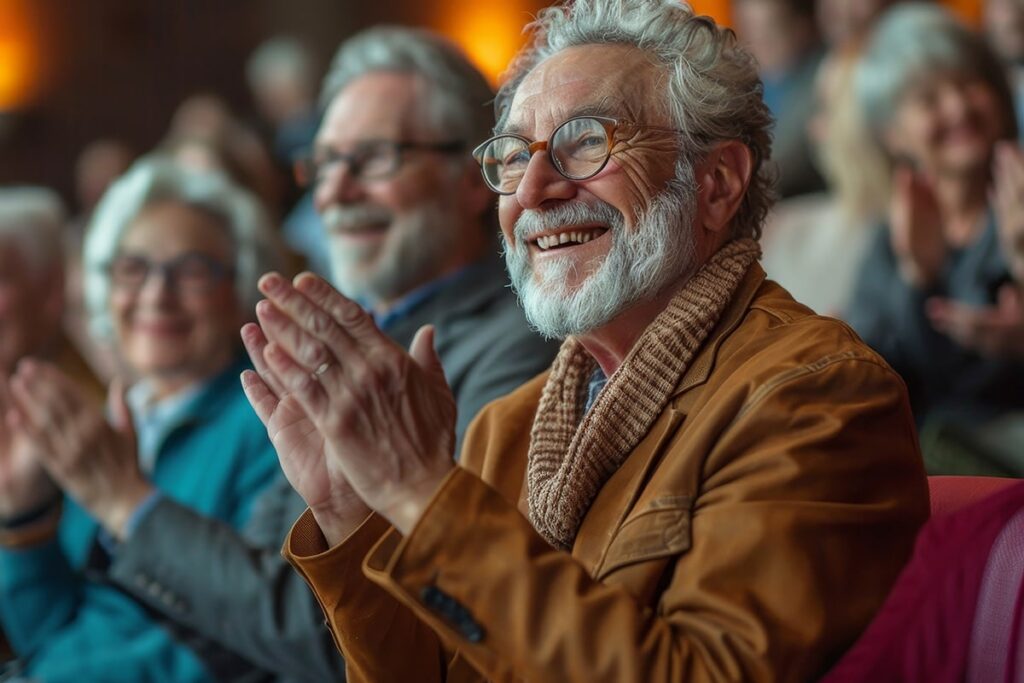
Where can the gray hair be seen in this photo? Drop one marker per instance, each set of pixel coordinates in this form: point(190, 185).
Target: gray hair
point(459, 92)
point(154, 180)
point(713, 89)
point(34, 218)
point(912, 40)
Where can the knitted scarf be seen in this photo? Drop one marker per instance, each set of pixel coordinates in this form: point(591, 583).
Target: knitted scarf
point(571, 455)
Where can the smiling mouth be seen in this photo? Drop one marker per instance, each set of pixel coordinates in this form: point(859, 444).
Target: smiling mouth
point(567, 238)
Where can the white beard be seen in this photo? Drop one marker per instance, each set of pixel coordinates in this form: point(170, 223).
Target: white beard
point(640, 264)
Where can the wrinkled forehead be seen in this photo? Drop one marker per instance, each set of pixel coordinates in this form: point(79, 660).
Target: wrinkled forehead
point(597, 80)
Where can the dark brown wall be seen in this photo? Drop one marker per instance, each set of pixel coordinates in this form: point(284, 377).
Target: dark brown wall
point(118, 68)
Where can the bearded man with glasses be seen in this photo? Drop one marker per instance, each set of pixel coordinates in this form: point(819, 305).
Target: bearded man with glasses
point(711, 483)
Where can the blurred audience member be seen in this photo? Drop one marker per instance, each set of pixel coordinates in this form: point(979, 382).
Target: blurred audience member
point(99, 165)
point(172, 259)
point(937, 295)
point(1004, 27)
point(283, 81)
point(205, 134)
point(413, 235)
point(843, 23)
point(783, 37)
point(955, 613)
point(804, 235)
point(32, 291)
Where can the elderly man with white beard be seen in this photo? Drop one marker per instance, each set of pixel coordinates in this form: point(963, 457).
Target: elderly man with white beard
point(710, 483)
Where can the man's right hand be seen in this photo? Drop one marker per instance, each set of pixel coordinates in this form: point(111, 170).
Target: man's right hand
point(915, 222)
point(24, 484)
point(300, 446)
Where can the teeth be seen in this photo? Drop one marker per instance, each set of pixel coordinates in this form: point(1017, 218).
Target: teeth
point(546, 242)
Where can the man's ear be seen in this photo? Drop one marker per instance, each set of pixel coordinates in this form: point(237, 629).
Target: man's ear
point(723, 178)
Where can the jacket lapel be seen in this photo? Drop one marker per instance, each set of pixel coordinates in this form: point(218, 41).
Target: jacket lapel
point(617, 499)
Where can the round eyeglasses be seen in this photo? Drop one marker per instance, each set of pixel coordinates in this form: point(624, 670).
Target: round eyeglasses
point(578, 149)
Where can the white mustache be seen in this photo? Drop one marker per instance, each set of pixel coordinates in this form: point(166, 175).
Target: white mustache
point(532, 222)
point(337, 218)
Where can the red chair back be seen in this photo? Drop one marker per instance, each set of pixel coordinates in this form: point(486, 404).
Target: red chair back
point(949, 493)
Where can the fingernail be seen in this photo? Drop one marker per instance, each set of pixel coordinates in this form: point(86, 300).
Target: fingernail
point(271, 282)
point(264, 308)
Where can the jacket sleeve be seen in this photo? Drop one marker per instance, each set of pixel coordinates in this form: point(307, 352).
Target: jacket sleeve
point(807, 510)
point(39, 594)
point(253, 604)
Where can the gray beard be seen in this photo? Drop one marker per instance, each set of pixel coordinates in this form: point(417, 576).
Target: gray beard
point(407, 257)
point(659, 252)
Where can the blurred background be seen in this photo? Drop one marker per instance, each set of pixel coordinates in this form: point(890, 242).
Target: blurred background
point(75, 72)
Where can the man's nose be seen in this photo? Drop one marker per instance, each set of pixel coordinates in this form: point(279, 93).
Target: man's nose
point(542, 182)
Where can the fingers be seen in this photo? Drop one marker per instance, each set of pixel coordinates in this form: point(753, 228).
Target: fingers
point(255, 342)
point(423, 352)
point(356, 322)
point(307, 331)
point(298, 381)
point(262, 399)
point(117, 408)
point(44, 412)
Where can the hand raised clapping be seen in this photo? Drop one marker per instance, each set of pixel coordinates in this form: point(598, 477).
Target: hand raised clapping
point(355, 418)
point(92, 460)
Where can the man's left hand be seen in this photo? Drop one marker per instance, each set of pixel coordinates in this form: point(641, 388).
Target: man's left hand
point(993, 331)
point(387, 416)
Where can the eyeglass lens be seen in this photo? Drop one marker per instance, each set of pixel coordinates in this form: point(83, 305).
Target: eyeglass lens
point(191, 272)
point(579, 149)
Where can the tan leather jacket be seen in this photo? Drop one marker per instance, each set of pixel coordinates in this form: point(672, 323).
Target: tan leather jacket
point(749, 537)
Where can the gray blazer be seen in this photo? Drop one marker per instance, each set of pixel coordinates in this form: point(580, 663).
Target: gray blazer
point(231, 596)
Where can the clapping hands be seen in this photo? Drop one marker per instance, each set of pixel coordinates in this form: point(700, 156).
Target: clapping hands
point(358, 423)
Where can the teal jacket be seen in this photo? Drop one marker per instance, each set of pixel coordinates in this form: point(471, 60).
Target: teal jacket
point(66, 623)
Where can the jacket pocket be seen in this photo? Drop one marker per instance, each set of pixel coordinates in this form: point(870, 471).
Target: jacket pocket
point(660, 529)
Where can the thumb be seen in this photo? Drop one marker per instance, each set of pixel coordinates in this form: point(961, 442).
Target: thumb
point(117, 408)
point(422, 351)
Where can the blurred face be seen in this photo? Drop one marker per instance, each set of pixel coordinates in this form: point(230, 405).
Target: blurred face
point(29, 315)
point(843, 20)
point(947, 125)
point(1004, 24)
point(175, 313)
point(391, 232)
point(580, 251)
point(776, 35)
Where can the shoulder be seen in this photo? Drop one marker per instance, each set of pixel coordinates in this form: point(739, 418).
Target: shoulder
point(780, 350)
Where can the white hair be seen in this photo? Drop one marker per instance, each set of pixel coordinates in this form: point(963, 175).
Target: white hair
point(33, 218)
point(713, 92)
point(155, 180)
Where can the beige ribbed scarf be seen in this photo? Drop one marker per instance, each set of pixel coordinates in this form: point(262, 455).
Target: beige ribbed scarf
point(571, 455)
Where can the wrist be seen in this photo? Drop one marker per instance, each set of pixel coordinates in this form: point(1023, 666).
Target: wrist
point(410, 505)
point(117, 513)
point(29, 516)
point(39, 530)
point(337, 522)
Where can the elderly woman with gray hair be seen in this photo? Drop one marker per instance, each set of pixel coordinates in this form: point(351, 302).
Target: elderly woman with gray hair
point(172, 258)
point(939, 294)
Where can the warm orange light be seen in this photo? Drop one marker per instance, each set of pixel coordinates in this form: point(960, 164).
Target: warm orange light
point(19, 67)
point(490, 32)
